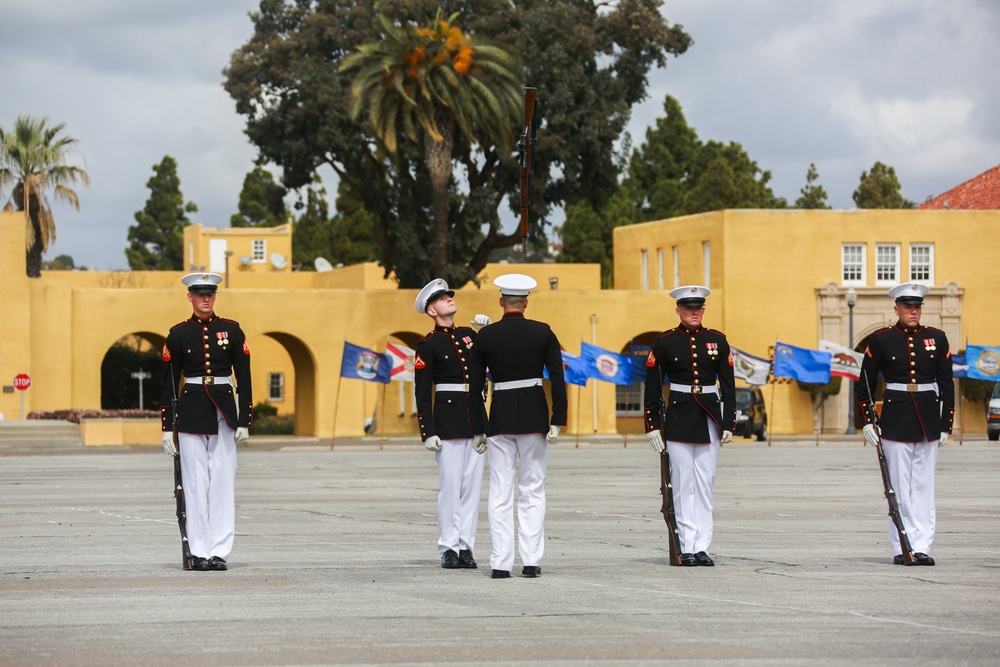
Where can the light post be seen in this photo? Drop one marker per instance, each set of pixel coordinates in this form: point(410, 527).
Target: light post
point(852, 298)
point(140, 376)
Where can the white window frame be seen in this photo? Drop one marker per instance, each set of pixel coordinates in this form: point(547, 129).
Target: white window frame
point(928, 263)
point(677, 267)
point(881, 266)
point(259, 254)
point(863, 269)
point(659, 259)
point(272, 395)
point(644, 278)
point(635, 393)
point(706, 249)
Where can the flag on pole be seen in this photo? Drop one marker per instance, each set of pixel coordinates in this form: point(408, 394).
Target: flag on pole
point(574, 369)
point(845, 362)
point(984, 362)
point(639, 354)
point(751, 369)
point(605, 365)
point(402, 362)
point(804, 365)
point(361, 364)
point(959, 366)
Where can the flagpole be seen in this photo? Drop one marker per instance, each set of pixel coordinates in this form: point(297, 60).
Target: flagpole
point(774, 381)
point(579, 391)
point(381, 442)
point(961, 393)
point(336, 404)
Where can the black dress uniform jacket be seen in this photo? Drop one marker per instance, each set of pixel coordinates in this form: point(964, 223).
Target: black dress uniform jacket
point(444, 356)
point(909, 356)
point(215, 347)
point(516, 348)
point(697, 358)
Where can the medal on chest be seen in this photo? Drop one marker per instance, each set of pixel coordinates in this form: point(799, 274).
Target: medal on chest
point(712, 349)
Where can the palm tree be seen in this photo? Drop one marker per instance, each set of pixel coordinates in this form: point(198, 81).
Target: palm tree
point(435, 79)
point(33, 161)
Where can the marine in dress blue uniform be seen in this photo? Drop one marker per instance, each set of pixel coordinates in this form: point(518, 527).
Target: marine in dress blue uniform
point(918, 410)
point(214, 412)
point(514, 350)
point(697, 364)
point(450, 416)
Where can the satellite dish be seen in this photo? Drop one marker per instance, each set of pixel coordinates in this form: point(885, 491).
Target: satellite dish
point(323, 265)
point(278, 261)
point(245, 261)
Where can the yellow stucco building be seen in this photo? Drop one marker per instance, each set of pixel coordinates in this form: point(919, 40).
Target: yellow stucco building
point(775, 275)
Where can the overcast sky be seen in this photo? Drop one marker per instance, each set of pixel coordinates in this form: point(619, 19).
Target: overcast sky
point(841, 83)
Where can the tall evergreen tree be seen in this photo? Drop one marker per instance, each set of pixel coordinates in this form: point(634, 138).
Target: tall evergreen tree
point(880, 188)
point(588, 235)
point(262, 201)
point(812, 195)
point(157, 238)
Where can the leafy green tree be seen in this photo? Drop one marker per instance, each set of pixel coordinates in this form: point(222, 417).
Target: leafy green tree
point(880, 188)
point(157, 238)
point(33, 163)
point(819, 393)
point(60, 263)
point(346, 238)
point(812, 196)
point(587, 235)
point(262, 201)
point(297, 103)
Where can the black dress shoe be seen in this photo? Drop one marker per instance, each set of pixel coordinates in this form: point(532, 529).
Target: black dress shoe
point(531, 571)
point(897, 559)
point(702, 558)
point(466, 560)
point(216, 563)
point(200, 564)
point(500, 574)
point(687, 560)
point(449, 560)
point(923, 559)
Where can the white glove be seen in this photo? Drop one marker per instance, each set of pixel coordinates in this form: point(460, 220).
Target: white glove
point(480, 321)
point(727, 437)
point(479, 443)
point(871, 434)
point(433, 444)
point(553, 435)
point(168, 443)
point(656, 440)
point(944, 440)
point(242, 434)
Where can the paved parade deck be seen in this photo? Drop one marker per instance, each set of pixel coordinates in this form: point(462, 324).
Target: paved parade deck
point(336, 563)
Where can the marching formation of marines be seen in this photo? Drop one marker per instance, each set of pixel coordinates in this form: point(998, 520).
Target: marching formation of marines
point(207, 409)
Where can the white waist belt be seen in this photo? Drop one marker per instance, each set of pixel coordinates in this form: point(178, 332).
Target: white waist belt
point(912, 388)
point(451, 387)
point(694, 389)
point(209, 379)
point(517, 384)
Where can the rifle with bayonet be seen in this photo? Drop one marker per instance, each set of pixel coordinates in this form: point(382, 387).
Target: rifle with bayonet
point(179, 479)
point(526, 159)
point(890, 493)
point(667, 487)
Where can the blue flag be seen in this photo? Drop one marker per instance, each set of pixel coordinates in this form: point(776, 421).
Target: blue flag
point(959, 366)
point(574, 370)
point(984, 362)
point(362, 364)
point(605, 365)
point(639, 353)
point(803, 365)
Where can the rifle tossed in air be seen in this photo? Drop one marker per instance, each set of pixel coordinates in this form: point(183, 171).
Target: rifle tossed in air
point(526, 159)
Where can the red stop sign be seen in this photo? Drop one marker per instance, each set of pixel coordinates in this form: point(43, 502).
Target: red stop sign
point(22, 381)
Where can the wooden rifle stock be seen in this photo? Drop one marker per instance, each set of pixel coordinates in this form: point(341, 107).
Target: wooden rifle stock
point(667, 491)
point(890, 493)
point(526, 147)
point(179, 482)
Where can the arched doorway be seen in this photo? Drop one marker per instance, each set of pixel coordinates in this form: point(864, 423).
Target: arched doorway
point(298, 379)
point(132, 372)
point(629, 398)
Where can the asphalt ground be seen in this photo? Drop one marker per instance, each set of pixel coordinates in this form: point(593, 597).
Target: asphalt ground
point(336, 563)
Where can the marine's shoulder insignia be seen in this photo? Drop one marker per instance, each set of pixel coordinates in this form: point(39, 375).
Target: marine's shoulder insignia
point(419, 363)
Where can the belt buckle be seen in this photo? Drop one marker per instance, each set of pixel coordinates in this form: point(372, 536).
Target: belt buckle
point(208, 379)
point(696, 389)
point(912, 388)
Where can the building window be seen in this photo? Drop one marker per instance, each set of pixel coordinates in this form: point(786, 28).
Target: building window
point(853, 264)
point(707, 251)
point(628, 399)
point(922, 263)
point(659, 260)
point(677, 267)
point(259, 250)
point(645, 270)
point(275, 387)
point(886, 263)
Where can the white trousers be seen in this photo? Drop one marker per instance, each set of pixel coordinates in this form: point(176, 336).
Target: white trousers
point(504, 452)
point(692, 474)
point(911, 471)
point(208, 468)
point(460, 475)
